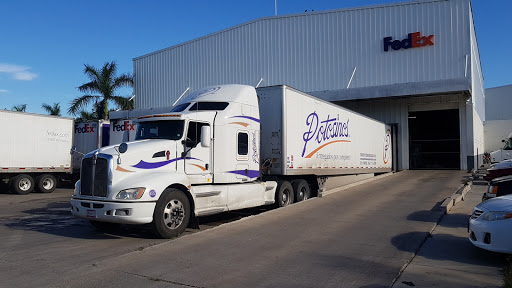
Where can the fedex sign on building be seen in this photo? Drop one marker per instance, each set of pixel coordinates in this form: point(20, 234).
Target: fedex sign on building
point(413, 40)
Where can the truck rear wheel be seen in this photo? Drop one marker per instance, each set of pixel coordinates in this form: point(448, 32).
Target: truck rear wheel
point(46, 183)
point(172, 214)
point(284, 194)
point(22, 184)
point(301, 189)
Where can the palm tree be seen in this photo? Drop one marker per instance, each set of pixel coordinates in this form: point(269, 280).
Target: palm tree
point(103, 83)
point(52, 110)
point(86, 116)
point(20, 108)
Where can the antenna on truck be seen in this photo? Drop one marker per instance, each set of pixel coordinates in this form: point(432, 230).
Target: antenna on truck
point(257, 85)
point(182, 94)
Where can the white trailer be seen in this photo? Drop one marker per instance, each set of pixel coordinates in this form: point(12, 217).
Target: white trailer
point(123, 126)
point(89, 136)
point(34, 151)
point(225, 148)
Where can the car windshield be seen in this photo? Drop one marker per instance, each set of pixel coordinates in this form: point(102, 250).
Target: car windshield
point(169, 129)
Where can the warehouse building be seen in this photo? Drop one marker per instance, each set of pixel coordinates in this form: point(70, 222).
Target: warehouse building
point(415, 65)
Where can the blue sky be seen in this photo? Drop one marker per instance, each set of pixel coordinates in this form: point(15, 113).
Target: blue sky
point(44, 44)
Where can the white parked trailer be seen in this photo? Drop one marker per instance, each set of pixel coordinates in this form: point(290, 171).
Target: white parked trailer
point(34, 152)
point(227, 147)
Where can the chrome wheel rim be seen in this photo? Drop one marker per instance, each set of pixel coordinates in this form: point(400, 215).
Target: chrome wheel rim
point(24, 184)
point(174, 213)
point(48, 183)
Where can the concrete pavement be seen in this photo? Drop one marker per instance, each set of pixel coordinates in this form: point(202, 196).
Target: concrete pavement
point(448, 259)
point(359, 237)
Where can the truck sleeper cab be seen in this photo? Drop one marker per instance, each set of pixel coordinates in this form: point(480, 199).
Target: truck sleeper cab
point(169, 173)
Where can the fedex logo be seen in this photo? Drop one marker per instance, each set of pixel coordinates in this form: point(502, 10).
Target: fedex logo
point(413, 40)
point(126, 126)
point(86, 129)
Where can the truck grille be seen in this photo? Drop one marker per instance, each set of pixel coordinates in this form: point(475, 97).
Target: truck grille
point(94, 179)
point(476, 213)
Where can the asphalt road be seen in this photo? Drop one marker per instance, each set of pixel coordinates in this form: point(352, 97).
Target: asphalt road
point(359, 237)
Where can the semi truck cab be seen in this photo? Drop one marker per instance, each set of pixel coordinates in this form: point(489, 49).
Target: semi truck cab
point(199, 159)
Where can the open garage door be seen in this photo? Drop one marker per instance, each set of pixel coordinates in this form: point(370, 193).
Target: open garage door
point(434, 139)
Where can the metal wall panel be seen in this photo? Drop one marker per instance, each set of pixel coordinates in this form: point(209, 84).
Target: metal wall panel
point(498, 101)
point(314, 51)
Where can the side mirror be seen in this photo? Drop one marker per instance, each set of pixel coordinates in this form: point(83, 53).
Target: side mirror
point(503, 140)
point(205, 136)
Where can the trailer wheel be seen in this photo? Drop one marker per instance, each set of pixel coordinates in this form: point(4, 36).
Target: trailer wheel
point(172, 214)
point(105, 226)
point(301, 189)
point(284, 194)
point(22, 184)
point(46, 183)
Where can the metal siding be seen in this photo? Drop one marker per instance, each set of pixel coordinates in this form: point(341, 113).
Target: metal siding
point(498, 101)
point(313, 52)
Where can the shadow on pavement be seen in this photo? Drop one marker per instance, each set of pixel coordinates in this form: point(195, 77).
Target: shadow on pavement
point(448, 247)
point(56, 219)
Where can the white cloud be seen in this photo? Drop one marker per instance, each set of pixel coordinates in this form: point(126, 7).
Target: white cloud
point(3, 91)
point(18, 72)
point(26, 76)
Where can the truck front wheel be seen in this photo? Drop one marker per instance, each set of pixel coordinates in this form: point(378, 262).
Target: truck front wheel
point(46, 183)
point(172, 214)
point(284, 194)
point(22, 184)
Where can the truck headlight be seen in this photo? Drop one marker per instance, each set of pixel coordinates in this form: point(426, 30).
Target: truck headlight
point(497, 215)
point(131, 193)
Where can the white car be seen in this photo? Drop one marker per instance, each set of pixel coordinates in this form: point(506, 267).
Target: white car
point(490, 226)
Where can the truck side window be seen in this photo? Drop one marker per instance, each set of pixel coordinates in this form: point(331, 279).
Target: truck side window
point(243, 143)
point(194, 131)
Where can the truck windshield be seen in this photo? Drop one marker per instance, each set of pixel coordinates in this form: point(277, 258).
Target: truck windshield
point(170, 130)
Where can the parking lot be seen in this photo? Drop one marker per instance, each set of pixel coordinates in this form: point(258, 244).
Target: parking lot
point(359, 237)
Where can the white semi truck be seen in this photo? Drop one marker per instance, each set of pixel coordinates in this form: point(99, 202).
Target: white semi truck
point(34, 151)
point(225, 148)
point(504, 153)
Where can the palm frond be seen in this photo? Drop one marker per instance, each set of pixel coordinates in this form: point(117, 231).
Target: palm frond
point(20, 108)
point(91, 72)
point(79, 103)
point(125, 80)
point(89, 87)
point(123, 103)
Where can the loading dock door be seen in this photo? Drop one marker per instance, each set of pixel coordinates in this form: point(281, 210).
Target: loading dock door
point(434, 139)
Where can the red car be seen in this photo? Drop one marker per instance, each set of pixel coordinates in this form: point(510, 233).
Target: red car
point(503, 168)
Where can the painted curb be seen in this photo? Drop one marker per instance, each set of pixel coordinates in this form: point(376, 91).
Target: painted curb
point(458, 196)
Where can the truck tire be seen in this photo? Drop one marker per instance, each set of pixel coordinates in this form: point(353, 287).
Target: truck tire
point(105, 226)
point(22, 184)
point(46, 183)
point(301, 190)
point(172, 214)
point(284, 194)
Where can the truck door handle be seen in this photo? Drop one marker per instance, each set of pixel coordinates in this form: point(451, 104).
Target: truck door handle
point(206, 166)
